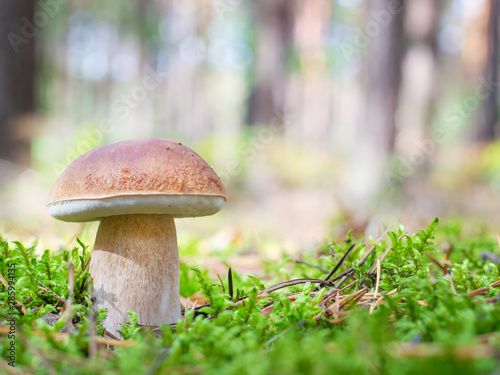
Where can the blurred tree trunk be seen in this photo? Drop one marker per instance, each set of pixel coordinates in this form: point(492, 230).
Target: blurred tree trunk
point(313, 84)
point(382, 33)
point(417, 109)
point(17, 77)
point(384, 57)
point(420, 75)
point(488, 116)
point(276, 28)
point(430, 41)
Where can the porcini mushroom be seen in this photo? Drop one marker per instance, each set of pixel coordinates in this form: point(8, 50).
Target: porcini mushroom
point(136, 188)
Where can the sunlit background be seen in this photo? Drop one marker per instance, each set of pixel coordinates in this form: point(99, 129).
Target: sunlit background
point(320, 116)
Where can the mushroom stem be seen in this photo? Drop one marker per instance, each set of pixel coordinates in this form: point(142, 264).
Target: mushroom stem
point(135, 267)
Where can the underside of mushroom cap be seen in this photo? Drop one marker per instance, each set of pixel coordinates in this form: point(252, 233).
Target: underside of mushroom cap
point(144, 176)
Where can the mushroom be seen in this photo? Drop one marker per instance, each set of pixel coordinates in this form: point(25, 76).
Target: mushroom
point(136, 188)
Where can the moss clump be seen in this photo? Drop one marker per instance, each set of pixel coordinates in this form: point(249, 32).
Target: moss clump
point(407, 304)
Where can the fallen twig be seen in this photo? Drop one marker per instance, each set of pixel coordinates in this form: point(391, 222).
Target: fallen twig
point(340, 262)
point(61, 336)
point(293, 282)
point(311, 265)
point(6, 285)
point(348, 272)
point(47, 290)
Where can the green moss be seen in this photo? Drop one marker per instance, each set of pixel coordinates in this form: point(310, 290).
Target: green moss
point(431, 318)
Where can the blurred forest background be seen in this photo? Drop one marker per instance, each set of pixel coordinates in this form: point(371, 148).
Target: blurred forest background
point(320, 116)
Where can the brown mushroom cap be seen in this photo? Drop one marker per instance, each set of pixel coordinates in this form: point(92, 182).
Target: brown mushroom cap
point(143, 176)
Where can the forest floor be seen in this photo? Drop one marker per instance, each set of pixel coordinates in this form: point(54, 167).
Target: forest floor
point(402, 303)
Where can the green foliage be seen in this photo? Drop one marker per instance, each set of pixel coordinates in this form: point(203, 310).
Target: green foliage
point(188, 281)
point(433, 313)
point(407, 256)
point(254, 333)
point(129, 330)
point(35, 276)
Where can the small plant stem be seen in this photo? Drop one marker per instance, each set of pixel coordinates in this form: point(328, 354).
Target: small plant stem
point(69, 302)
point(47, 290)
point(293, 282)
point(230, 283)
point(337, 266)
point(452, 285)
point(6, 285)
point(378, 277)
point(92, 334)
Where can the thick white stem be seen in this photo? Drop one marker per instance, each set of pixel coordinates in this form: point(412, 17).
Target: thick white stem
point(135, 267)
